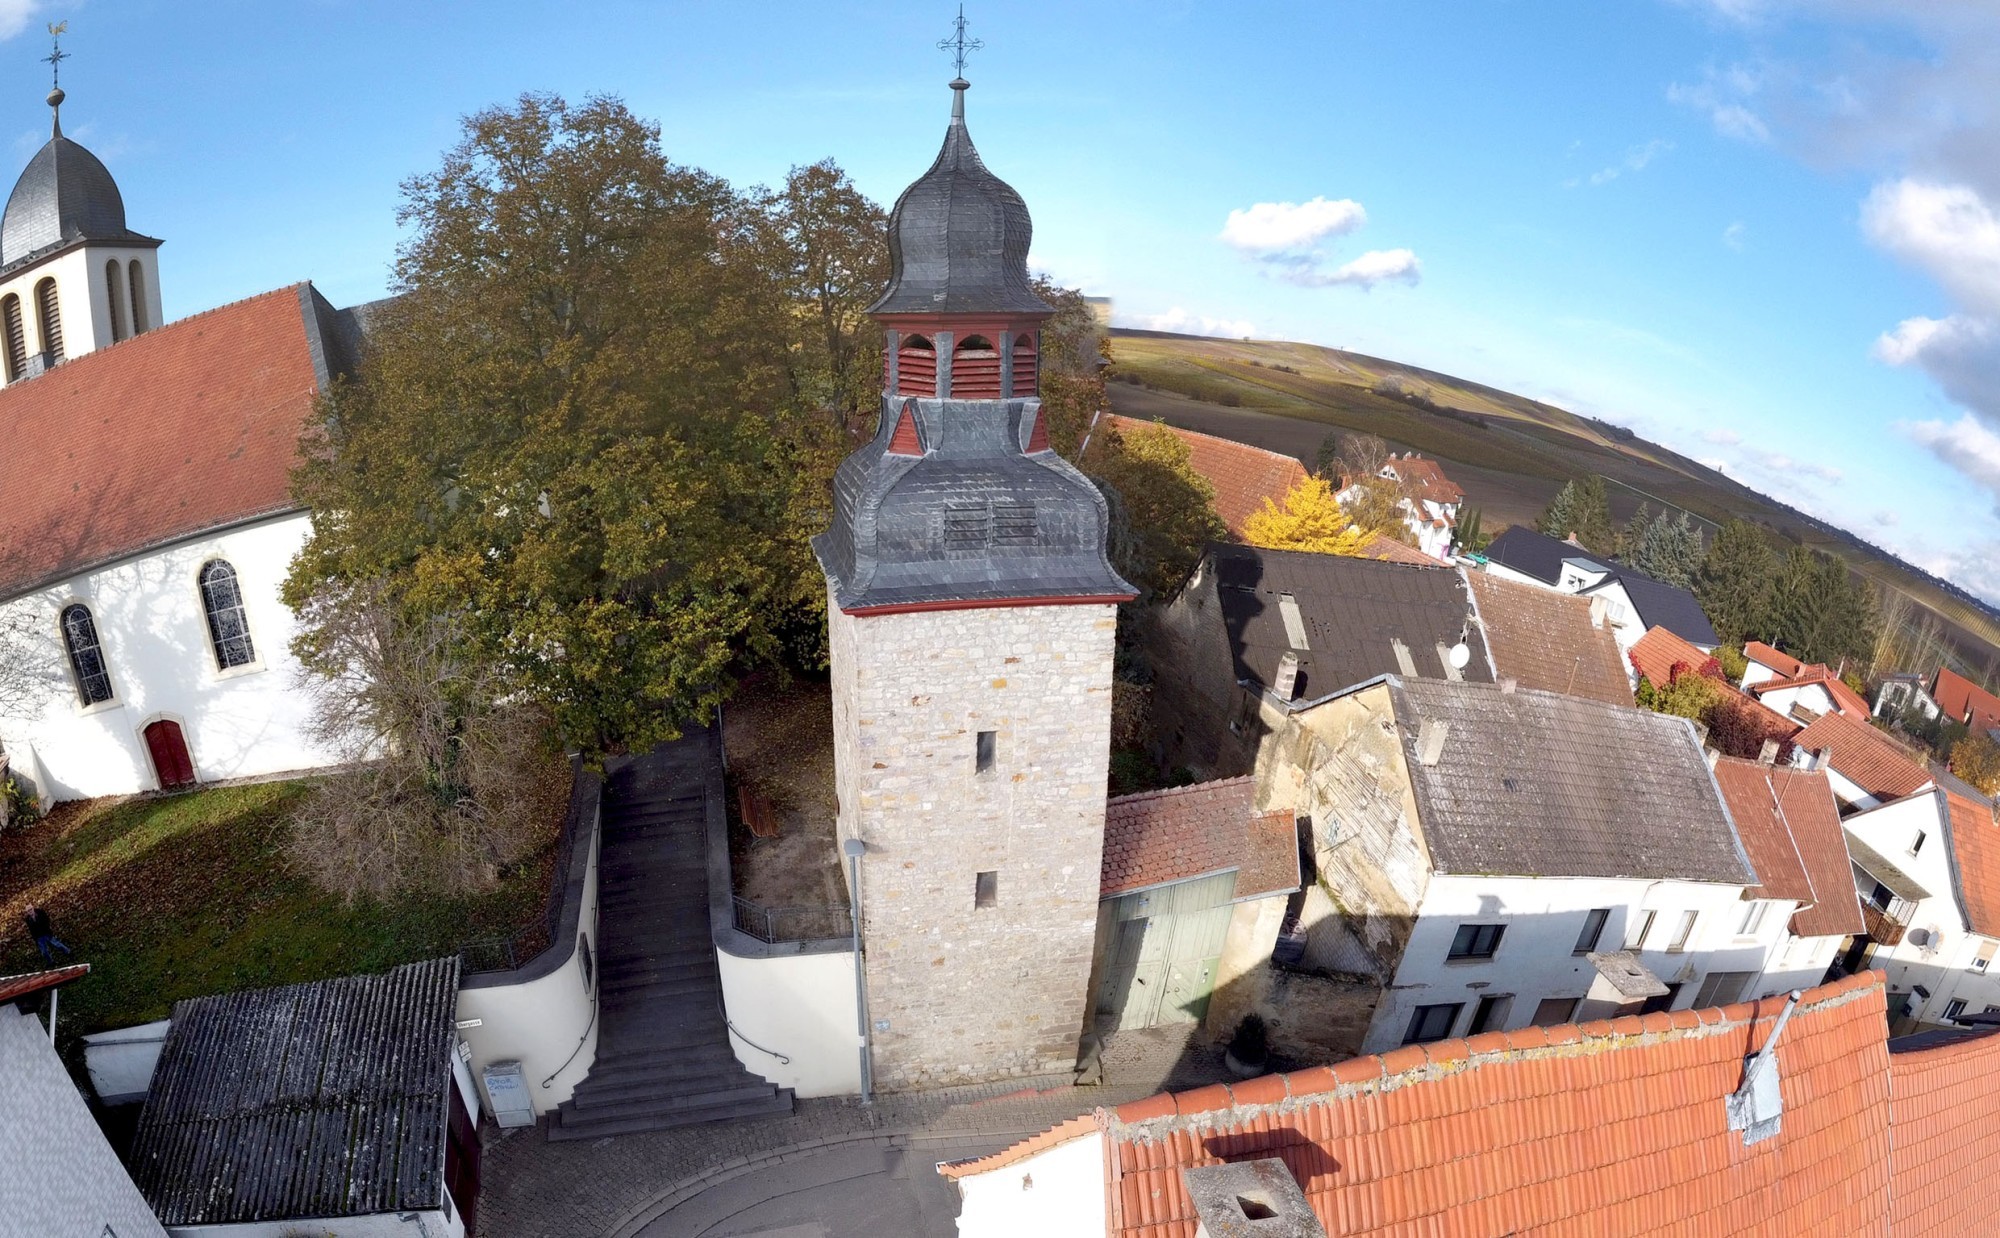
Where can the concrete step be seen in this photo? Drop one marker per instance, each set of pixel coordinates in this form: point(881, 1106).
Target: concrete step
point(565, 1126)
point(671, 1096)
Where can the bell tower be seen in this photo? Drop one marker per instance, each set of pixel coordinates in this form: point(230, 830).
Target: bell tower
point(971, 619)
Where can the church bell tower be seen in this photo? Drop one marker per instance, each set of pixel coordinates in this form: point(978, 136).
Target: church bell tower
point(971, 615)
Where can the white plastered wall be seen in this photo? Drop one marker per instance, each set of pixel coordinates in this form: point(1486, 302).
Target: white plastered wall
point(1536, 958)
point(1944, 964)
point(241, 722)
point(1057, 1193)
point(798, 1005)
point(83, 297)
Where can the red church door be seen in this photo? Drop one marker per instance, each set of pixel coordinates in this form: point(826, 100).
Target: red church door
point(170, 755)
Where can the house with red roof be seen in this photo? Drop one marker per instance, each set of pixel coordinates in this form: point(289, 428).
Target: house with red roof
point(1798, 690)
point(1964, 701)
point(1784, 1116)
point(1790, 826)
point(1243, 476)
point(1430, 501)
point(1865, 765)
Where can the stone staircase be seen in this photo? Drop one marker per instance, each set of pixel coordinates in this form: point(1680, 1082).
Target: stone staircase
point(663, 1052)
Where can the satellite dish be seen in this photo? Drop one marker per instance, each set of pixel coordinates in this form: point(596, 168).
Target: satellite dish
point(1461, 656)
point(1920, 937)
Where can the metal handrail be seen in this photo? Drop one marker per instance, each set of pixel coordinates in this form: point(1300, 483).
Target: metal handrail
point(763, 922)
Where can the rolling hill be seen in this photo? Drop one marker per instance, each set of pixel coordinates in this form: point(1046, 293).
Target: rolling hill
point(1511, 454)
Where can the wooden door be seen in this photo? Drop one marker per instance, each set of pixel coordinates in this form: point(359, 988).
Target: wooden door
point(170, 755)
point(461, 1160)
point(1164, 948)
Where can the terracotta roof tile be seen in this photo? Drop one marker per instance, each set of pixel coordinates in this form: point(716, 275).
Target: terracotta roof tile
point(1544, 639)
point(1658, 652)
point(1621, 1131)
point(1864, 756)
point(12, 987)
point(1243, 476)
point(1945, 1140)
point(1964, 700)
point(1975, 843)
point(1423, 480)
point(188, 427)
point(1062, 1133)
point(1845, 699)
point(1769, 655)
point(1159, 836)
point(1382, 546)
point(1790, 825)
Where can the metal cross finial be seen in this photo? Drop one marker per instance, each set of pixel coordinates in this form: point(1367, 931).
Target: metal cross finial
point(958, 44)
point(56, 54)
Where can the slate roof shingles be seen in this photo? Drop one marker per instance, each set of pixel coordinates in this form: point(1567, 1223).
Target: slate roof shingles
point(1539, 784)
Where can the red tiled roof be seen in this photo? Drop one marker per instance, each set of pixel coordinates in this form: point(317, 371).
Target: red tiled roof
point(1790, 826)
point(1845, 699)
point(1778, 660)
point(1941, 1112)
point(1975, 843)
point(188, 427)
point(1545, 640)
point(1963, 700)
point(1159, 836)
point(12, 987)
point(1055, 1136)
point(1382, 546)
point(1657, 653)
point(1243, 476)
point(1610, 1128)
point(1422, 479)
point(1864, 756)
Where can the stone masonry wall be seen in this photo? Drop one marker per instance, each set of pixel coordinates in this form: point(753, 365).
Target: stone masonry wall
point(959, 993)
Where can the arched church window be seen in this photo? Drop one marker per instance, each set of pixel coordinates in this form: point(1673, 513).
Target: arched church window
point(916, 366)
point(17, 336)
point(138, 280)
point(86, 656)
point(48, 317)
point(975, 369)
point(114, 292)
point(228, 625)
point(1025, 373)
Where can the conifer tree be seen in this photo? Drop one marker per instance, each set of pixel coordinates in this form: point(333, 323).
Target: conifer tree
point(1736, 580)
point(1558, 519)
point(1670, 550)
point(1821, 612)
point(1580, 510)
point(1635, 528)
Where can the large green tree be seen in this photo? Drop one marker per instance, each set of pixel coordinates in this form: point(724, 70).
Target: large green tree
point(1581, 510)
point(1670, 550)
point(579, 428)
point(1821, 611)
point(1736, 580)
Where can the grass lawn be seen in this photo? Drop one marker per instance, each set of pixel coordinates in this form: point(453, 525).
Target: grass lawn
point(168, 897)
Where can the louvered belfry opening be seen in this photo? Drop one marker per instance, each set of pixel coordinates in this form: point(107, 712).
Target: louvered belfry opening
point(1027, 377)
point(975, 369)
point(48, 316)
point(138, 282)
point(916, 366)
point(114, 294)
point(17, 336)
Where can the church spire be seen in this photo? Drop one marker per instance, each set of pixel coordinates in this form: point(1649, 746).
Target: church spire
point(54, 59)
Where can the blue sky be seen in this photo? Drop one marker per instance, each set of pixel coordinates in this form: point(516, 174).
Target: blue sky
point(1765, 232)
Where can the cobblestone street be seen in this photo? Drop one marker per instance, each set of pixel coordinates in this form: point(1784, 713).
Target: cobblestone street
point(721, 1178)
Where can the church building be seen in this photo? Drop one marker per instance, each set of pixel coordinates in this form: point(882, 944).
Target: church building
point(146, 520)
point(972, 615)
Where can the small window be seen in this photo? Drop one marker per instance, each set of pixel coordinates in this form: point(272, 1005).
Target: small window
point(1682, 931)
point(1722, 988)
point(985, 749)
point(1476, 941)
point(1490, 1015)
point(1555, 1011)
point(228, 625)
point(1432, 1023)
point(1917, 843)
point(86, 656)
point(138, 281)
point(1753, 918)
point(1954, 1008)
point(1593, 928)
point(1635, 934)
point(48, 317)
point(986, 890)
point(114, 293)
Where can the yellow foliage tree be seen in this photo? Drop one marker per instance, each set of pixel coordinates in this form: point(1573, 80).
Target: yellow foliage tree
point(1310, 520)
point(1976, 758)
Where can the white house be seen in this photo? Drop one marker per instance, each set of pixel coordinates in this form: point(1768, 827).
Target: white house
point(1633, 602)
point(1864, 766)
point(1927, 869)
point(1904, 690)
point(1501, 857)
point(1430, 501)
point(148, 522)
point(1799, 690)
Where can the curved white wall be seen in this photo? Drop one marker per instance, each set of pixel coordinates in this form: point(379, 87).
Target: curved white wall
point(241, 722)
point(800, 1005)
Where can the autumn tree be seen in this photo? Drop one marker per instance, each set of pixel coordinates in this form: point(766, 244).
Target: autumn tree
point(1670, 550)
point(827, 243)
point(1074, 352)
point(1976, 759)
point(1311, 519)
point(1736, 580)
point(1375, 505)
point(576, 429)
point(1165, 509)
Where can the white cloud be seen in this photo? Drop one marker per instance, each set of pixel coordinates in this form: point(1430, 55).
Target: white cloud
point(1725, 438)
point(1377, 266)
point(1725, 94)
point(1967, 445)
point(1948, 230)
point(1960, 353)
point(14, 15)
point(1180, 321)
point(1635, 160)
point(1279, 227)
point(1886, 519)
point(1732, 236)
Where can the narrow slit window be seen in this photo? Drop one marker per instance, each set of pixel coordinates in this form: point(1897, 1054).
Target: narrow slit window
point(228, 624)
point(138, 282)
point(114, 293)
point(48, 317)
point(985, 750)
point(86, 655)
point(986, 889)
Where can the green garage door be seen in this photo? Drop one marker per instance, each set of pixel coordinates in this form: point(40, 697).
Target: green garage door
point(1164, 947)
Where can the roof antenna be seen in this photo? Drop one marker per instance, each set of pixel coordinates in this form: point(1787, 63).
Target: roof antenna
point(54, 59)
point(958, 45)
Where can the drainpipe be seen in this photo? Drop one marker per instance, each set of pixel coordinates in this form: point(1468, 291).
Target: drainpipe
point(854, 849)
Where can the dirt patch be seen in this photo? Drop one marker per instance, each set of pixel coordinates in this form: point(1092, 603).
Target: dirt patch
point(779, 741)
